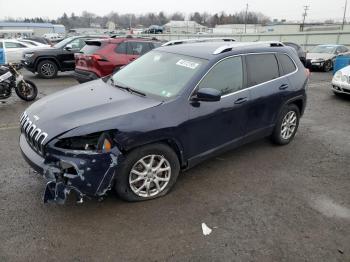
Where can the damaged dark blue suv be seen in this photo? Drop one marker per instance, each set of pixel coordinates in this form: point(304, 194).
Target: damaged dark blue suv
point(167, 111)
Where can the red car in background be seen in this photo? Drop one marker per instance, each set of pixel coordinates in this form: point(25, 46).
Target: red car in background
point(102, 57)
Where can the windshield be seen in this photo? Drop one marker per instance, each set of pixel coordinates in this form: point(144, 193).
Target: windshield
point(63, 42)
point(159, 73)
point(324, 49)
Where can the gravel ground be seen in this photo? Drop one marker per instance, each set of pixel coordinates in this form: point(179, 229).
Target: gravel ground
point(262, 202)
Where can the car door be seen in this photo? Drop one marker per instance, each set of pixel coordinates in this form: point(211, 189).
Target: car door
point(268, 90)
point(14, 51)
point(213, 125)
point(66, 58)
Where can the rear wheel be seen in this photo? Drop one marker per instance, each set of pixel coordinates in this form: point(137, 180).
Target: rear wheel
point(147, 172)
point(287, 125)
point(26, 90)
point(47, 69)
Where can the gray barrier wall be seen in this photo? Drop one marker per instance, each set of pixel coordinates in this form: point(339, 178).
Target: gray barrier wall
point(307, 40)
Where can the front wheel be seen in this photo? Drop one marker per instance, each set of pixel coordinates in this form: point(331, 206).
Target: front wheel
point(287, 125)
point(327, 66)
point(47, 69)
point(26, 90)
point(147, 172)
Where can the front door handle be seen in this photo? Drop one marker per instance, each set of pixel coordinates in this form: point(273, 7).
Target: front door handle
point(284, 86)
point(241, 100)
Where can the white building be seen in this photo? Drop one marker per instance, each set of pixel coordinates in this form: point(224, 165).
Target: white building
point(236, 29)
point(37, 29)
point(184, 27)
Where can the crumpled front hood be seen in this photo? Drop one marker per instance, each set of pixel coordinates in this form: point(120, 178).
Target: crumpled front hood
point(314, 56)
point(84, 104)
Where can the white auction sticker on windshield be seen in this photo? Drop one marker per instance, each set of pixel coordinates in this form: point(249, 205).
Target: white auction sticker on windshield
point(187, 64)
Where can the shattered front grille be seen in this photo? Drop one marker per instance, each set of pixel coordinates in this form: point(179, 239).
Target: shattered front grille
point(34, 135)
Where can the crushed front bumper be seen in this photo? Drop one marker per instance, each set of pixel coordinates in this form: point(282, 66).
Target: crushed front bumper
point(83, 173)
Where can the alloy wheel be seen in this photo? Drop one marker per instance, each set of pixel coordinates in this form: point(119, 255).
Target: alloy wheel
point(48, 69)
point(150, 175)
point(289, 124)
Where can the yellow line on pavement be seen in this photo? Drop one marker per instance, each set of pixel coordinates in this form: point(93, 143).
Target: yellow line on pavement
point(9, 127)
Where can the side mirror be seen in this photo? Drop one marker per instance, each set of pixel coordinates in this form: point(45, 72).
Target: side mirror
point(207, 95)
point(69, 47)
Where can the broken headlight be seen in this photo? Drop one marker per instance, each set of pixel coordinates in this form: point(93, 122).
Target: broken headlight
point(100, 142)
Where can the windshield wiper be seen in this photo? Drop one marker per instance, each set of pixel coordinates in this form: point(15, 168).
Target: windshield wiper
point(129, 89)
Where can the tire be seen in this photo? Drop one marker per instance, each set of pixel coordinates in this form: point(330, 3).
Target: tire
point(327, 66)
point(47, 69)
point(26, 90)
point(281, 137)
point(126, 189)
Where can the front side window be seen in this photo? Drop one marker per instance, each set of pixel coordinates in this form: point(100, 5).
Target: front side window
point(77, 43)
point(137, 48)
point(261, 68)
point(159, 74)
point(226, 76)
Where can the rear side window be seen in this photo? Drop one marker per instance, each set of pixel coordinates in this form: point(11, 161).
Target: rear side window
point(227, 76)
point(91, 47)
point(138, 48)
point(1, 46)
point(14, 45)
point(261, 68)
point(287, 64)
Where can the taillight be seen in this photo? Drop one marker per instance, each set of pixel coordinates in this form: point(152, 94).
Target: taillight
point(307, 72)
point(98, 58)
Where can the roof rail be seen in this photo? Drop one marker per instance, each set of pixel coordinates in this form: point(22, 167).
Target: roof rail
point(199, 40)
point(230, 47)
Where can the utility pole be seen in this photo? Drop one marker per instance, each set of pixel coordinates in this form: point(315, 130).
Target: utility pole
point(245, 19)
point(306, 8)
point(346, 5)
point(130, 17)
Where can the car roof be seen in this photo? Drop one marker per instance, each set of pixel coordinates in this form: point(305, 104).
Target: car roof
point(206, 50)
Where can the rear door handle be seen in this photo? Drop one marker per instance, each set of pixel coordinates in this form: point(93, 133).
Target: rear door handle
point(241, 100)
point(284, 86)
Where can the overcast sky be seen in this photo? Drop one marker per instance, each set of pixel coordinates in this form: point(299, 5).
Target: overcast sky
point(287, 9)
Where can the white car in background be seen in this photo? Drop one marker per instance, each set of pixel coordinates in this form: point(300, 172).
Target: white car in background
point(13, 49)
point(341, 81)
point(33, 43)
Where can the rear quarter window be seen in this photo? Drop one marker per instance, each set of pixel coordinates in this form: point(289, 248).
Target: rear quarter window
point(261, 68)
point(287, 64)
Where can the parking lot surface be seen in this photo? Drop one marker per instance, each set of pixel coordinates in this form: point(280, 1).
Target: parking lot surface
point(262, 202)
